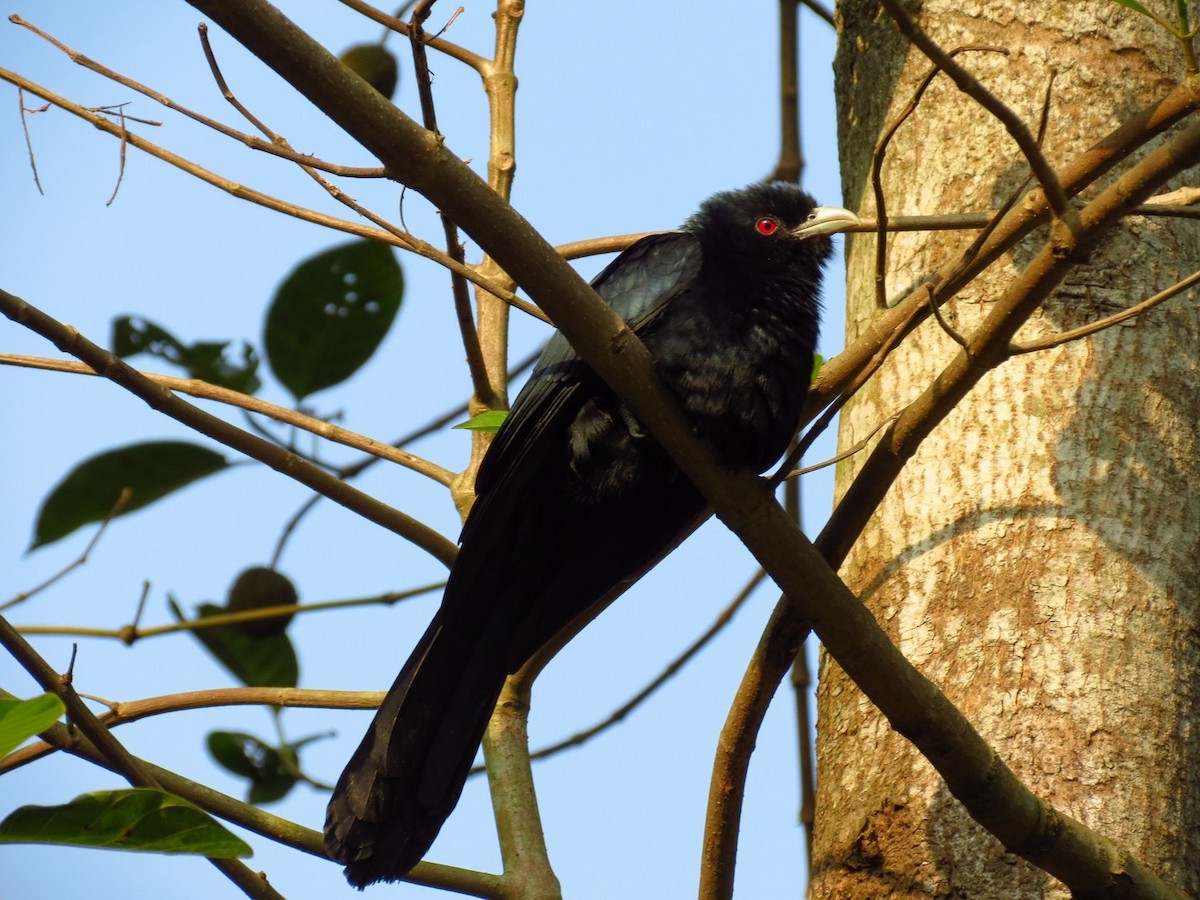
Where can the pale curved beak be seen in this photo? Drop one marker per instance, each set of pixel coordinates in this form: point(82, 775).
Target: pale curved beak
point(826, 220)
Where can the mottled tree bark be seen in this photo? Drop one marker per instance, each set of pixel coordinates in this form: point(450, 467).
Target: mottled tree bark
point(1038, 557)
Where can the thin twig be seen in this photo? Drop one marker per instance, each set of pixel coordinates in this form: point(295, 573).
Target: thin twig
point(857, 447)
point(476, 365)
point(248, 140)
point(82, 559)
point(1048, 179)
point(1056, 340)
point(128, 634)
point(877, 158)
point(480, 64)
point(272, 827)
point(28, 141)
point(121, 155)
point(936, 310)
point(801, 687)
point(355, 469)
point(402, 240)
point(130, 767)
point(69, 340)
point(790, 164)
point(821, 11)
point(206, 391)
point(126, 711)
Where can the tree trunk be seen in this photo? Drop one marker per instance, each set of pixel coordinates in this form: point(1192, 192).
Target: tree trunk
point(1038, 556)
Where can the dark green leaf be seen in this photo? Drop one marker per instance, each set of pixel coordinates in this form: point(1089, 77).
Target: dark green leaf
point(90, 491)
point(204, 360)
point(138, 819)
point(273, 786)
point(22, 719)
point(270, 770)
point(374, 65)
point(255, 661)
point(330, 314)
point(485, 421)
point(229, 750)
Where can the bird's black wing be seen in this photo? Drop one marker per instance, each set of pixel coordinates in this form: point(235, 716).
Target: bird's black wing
point(638, 284)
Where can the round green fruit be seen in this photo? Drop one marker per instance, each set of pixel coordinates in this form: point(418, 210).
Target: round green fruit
point(257, 588)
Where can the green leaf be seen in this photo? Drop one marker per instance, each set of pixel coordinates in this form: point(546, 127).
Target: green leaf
point(491, 420)
point(330, 314)
point(374, 65)
point(229, 750)
point(22, 719)
point(270, 770)
point(255, 661)
point(1135, 6)
point(137, 819)
point(818, 361)
point(150, 470)
point(204, 360)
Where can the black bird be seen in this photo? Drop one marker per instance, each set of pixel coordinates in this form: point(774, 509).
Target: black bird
point(575, 501)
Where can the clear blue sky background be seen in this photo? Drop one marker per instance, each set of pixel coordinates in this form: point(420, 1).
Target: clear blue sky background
point(628, 115)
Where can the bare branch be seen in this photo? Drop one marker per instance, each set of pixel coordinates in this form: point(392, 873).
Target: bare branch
point(80, 560)
point(69, 340)
point(969, 85)
point(780, 642)
point(790, 164)
point(124, 712)
point(247, 139)
point(403, 240)
point(821, 11)
point(1055, 340)
point(877, 157)
point(594, 246)
point(203, 390)
point(854, 449)
point(479, 63)
point(476, 364)
point(890, 327)
point(28, 142)
point(113, 751)
point(477, 884)
point(936, 310)
point(128, 634)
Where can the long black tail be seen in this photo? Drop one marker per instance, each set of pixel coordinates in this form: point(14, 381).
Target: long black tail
point(406, 776)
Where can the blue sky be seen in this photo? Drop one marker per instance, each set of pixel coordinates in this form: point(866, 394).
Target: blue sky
point(628, 115)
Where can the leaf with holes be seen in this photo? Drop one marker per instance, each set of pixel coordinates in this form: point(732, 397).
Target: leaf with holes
point(270, 770)
point(330, 314)
point(205, 360)
point(150, 471)
point(135, 819)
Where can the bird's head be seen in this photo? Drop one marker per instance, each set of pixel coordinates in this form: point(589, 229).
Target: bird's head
point(768, 225)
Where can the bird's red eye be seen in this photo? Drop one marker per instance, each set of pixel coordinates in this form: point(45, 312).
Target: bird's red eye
point(767, 225)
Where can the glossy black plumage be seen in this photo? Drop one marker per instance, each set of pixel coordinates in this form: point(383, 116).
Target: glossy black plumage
point(575, 502)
